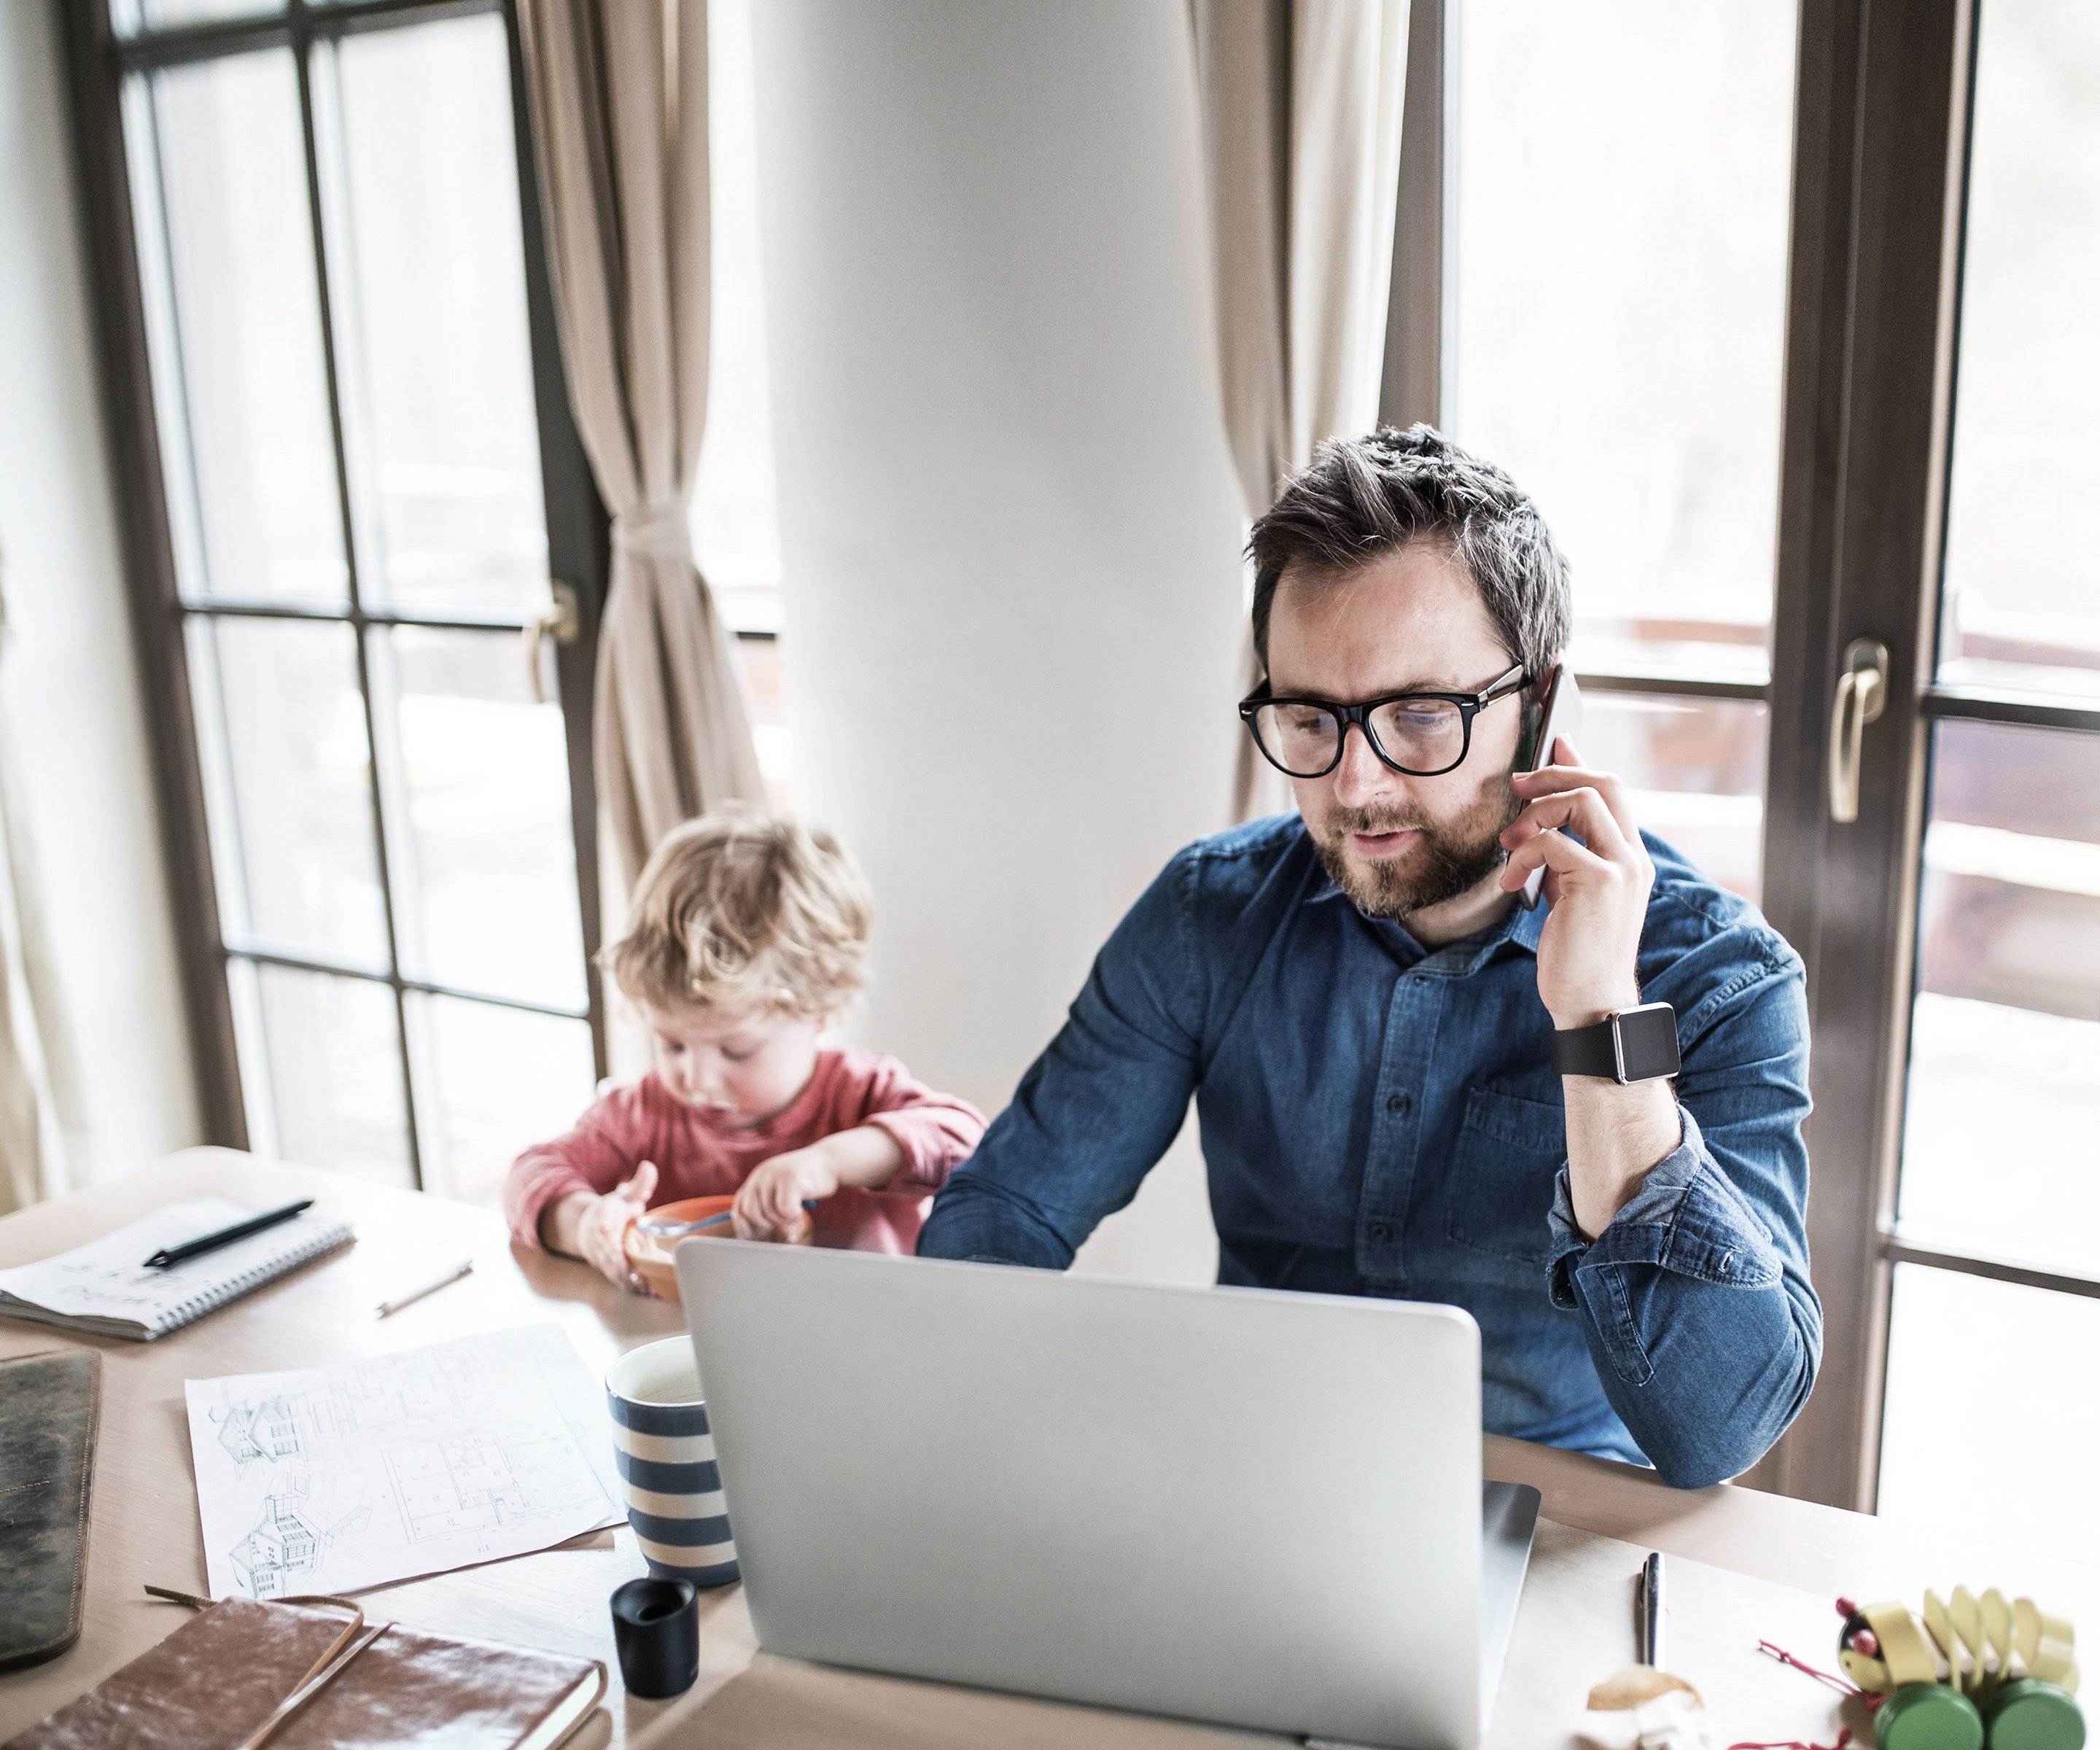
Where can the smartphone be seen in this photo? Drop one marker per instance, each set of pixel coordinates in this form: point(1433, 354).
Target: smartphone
point(1560, 713)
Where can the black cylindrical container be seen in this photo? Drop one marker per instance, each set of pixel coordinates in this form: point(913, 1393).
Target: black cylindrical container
point(656, 1626)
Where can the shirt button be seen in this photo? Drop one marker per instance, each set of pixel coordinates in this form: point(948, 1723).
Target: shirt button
point(1380, 1232)
point(1397, 1103)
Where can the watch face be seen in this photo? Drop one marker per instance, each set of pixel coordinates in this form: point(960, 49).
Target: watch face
point(1647, 1041)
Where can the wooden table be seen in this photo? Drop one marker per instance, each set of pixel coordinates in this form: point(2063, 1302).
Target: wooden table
point(145, 1524)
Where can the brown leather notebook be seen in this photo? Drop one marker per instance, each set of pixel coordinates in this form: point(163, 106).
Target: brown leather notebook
point(218, 1679)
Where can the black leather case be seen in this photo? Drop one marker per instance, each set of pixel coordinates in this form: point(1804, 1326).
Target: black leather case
point(49, 1404)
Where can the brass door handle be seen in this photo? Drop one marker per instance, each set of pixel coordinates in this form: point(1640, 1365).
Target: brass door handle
point(562, 622)
point(1862, 689)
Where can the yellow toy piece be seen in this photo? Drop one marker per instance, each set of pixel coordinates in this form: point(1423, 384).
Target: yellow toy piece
point(2052, 1660)
point(1906, 1649)
point(1963, 1672)
point(1998, 1627)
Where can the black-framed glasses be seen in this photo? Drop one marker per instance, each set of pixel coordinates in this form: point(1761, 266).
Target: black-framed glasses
point(1422, 734)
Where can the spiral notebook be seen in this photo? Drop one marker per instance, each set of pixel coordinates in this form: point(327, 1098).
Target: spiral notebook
point(105, 1288)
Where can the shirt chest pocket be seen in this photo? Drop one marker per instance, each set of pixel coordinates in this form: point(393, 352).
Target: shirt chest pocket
point(1499, 1182)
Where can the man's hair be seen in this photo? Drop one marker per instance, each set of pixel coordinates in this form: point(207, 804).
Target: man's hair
point(742, 911)
point(1360, 498)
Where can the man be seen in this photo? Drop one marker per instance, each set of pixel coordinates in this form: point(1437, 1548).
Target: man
point(1370, 1019)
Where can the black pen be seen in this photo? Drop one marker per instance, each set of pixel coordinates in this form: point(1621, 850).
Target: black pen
point(211, 1242)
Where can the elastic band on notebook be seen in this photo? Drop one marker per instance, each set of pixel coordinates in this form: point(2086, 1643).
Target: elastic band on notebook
point(322, 1671)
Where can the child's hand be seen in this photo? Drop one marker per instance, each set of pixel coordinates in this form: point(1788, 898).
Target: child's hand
point(769, 1204)
point(602, 1227)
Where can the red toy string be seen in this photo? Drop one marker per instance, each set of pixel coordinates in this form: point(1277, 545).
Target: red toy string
point(1844, 1686)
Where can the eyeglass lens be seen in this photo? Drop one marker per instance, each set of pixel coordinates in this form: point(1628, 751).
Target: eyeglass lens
point(1422, 736)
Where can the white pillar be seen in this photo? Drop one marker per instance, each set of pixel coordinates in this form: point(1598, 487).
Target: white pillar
point(1009, 523)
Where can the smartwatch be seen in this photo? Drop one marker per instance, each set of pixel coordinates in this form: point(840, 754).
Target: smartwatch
point(1631, 1045)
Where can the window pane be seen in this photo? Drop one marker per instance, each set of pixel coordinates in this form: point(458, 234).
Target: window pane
point(1991, 1422)
point(2004, 1068)
point(320, 1063)
point(131, 16)
point(734, 517)
point(236, 327)
point(1697, 769)
point(490, 1082)
point(280, 724)
point(2023, 587)
point(1620, 250)
point(485, 874)
point(766, 684)
point(430, 314)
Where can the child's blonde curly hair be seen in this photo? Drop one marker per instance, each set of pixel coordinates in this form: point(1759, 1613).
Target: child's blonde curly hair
point(743, 911)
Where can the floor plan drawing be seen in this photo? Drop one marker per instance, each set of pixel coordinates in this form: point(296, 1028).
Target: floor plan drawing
point(335, 1479)
point(475, 1481)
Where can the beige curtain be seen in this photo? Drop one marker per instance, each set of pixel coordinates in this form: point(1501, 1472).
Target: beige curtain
point(1301, 110)
point(618, 96)
point(42, 1116)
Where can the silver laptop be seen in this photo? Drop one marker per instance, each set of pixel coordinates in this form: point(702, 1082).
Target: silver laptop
point(1258, 1509)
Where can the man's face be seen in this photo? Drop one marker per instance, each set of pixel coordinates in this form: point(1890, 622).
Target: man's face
point(1410, 621)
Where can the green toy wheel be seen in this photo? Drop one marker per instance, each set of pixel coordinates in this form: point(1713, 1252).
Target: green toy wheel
point(2028, 1714)
point(1928, 1716)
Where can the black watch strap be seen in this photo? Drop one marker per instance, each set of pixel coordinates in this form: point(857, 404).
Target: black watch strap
point(1634, 1045)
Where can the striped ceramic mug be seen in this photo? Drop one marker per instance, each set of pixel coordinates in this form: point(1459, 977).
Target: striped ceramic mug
point(667, 1464)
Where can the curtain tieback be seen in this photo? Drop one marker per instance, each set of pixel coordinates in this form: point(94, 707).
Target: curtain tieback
point(657, 531)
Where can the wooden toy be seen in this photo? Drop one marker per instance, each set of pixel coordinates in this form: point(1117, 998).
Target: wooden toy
point(1967, 1672)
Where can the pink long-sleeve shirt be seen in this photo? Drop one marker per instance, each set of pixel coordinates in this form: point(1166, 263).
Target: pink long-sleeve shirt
point(697, 1157)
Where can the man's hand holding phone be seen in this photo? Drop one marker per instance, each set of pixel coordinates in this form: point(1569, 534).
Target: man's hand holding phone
point(1587, 967)
point(1598, 889)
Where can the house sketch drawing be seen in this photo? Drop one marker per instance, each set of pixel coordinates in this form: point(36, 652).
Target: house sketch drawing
point(284, 1544)
point(287, 1542)
point(331, 1478)
point(267, 1430)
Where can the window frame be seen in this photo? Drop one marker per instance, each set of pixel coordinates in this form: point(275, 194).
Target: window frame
point(99, 62)
point(1884, 107)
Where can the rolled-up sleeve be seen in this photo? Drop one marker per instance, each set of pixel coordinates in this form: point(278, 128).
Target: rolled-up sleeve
point(610, 1140)
point(1696, 1300)
point(937, 1132)
point(1097, 1110)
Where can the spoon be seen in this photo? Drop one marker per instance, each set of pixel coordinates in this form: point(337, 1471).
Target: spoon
point(657, 1228)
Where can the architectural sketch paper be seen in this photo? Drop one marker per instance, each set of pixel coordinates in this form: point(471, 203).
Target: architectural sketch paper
point(333, 1479)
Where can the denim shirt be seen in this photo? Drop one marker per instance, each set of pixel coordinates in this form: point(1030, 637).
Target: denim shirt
point(1379, 1118)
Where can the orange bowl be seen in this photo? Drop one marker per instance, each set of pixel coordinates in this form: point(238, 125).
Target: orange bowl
point(651, 1256)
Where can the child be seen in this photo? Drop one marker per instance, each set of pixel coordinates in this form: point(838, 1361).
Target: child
point(747, 934)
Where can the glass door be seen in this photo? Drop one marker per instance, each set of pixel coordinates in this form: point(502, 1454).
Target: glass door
point(376, 597)
point(1783, 322)
point(1935, 756)
point(1994, 1242)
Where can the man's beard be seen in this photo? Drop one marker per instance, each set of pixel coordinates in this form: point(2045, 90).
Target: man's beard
point(1443, 863)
